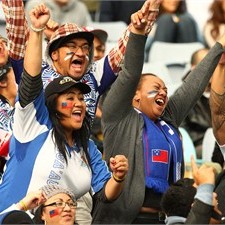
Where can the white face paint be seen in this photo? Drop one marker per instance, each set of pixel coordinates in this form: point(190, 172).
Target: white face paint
point(87, 57)
point(152, 94)
point(68, 55)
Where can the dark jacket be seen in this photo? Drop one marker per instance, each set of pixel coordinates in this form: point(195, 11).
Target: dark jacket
point(123, 126)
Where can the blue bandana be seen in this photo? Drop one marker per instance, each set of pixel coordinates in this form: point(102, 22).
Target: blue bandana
point(162, 149)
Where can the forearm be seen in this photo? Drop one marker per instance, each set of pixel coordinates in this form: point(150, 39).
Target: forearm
point(113, 189)
point(30, 88)
point(217, 103)
point(127, 81)
point(193, 87)
point(116, 54)
point(33, 54)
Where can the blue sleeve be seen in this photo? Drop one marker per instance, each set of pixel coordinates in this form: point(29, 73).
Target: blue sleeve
point(100, 171)
point(17, 68)
point(2, 217)
point(205, 193)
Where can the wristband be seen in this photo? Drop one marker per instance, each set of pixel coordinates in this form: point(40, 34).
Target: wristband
point(37, 29)
point(23, 205)
point(117, 179)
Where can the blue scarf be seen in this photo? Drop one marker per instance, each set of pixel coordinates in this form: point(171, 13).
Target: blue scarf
point(162, 150)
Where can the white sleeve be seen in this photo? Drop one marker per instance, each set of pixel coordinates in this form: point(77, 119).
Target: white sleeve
point(222, 149)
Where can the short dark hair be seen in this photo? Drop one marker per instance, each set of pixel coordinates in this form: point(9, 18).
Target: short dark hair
point(143, 75)
point(195, 58)
point(177, 200)
point(4, 70)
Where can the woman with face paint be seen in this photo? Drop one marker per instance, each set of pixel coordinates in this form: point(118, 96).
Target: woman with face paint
point(51, 204)
point(140, 122)
point(50, 142)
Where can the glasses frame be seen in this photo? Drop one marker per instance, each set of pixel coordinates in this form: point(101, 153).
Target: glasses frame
point(63, 206)
point(85, 48)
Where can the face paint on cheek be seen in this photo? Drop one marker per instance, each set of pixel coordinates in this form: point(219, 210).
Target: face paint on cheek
point(152, 94)
point(53, 213)
point(68, 55)
point(67, 105)
point(87, 57)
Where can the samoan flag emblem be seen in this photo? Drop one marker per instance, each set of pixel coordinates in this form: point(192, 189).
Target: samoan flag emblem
point(159, 155)
point(53, 212)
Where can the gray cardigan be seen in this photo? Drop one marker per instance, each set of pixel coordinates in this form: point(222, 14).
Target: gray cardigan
point(122, 125)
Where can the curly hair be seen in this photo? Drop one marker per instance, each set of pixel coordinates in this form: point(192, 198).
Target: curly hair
point(177, 200)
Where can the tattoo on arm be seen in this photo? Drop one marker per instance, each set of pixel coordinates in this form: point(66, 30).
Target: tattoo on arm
point(217, 105)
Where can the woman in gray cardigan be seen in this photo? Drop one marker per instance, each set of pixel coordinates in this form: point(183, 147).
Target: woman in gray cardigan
point(140, 122)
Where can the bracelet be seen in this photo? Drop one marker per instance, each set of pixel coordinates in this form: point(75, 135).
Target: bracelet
point(23, 205)
point(117, 179)
point(37, 29)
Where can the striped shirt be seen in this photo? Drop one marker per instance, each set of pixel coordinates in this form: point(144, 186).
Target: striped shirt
point(100, 75)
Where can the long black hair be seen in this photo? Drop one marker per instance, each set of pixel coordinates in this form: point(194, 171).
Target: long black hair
point(81, 136)
point(37, 215)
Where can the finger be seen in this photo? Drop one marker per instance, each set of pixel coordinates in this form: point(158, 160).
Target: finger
point(194, 166)
point(145, 7)
point(136, 19)
point(120, 166)
point(155, 4)
point(133, 19)
point(112, 160)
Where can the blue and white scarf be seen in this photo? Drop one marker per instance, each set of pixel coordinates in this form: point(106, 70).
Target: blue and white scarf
point(162, 149)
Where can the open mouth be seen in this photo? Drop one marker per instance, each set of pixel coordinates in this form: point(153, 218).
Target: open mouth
point(77, 113)
point(160, 101)
point(77, 62)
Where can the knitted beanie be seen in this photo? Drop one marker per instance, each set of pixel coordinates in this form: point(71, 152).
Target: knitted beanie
point(53, 189)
